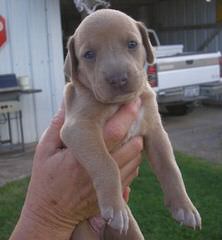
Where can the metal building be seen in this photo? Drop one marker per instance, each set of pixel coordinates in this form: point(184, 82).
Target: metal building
point(196, 24)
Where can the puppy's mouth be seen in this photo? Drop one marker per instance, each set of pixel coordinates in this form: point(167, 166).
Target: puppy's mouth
point(117, 99)
point(120, 96)
point(119, 89)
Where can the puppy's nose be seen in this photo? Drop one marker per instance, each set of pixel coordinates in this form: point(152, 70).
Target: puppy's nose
point(118, 80)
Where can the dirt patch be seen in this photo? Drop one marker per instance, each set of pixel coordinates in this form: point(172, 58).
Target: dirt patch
point(16, 165)
point(199, 133)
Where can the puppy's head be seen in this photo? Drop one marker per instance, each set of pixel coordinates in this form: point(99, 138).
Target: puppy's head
point(107, 54)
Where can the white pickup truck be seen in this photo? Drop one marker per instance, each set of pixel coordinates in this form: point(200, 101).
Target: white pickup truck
point(180, 79)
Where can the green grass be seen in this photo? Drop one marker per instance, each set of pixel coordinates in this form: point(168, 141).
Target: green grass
point(12, 196)
point(204, 185)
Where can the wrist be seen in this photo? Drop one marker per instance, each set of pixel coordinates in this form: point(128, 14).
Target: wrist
point(34, 227)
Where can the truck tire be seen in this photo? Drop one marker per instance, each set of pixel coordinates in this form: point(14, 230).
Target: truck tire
point(178, 110)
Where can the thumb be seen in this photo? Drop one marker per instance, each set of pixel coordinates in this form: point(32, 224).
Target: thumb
point(50, 140)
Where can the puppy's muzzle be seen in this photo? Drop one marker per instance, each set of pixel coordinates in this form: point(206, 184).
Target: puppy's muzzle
point(118, 81)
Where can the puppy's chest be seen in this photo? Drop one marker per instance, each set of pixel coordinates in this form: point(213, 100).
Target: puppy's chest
point(136, 128)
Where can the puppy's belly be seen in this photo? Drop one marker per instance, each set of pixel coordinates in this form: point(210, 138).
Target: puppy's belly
point(135, 129)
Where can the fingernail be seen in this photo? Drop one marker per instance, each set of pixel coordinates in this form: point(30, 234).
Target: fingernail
point(59, 117)
point(62, 106)
point(61, 110)
point(59, 113)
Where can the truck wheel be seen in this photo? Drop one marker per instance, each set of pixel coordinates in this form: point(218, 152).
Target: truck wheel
point(178, 110)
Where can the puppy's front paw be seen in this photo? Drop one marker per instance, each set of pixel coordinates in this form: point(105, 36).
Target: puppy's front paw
point(117, 218)
point(187, 214)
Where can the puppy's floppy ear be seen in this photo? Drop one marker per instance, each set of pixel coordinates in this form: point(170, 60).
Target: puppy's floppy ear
point(146, 42)
point(70, 65)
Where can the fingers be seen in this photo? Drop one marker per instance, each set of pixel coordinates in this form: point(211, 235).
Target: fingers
point(50, 140)
point(128, 158)
point(118, 126)
point(128, 151)
point(126, 193)
point(130, 171)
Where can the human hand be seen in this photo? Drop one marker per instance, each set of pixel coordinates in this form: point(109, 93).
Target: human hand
point(60, 193)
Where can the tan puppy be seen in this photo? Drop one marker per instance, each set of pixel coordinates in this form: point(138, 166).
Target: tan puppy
point(105, 63)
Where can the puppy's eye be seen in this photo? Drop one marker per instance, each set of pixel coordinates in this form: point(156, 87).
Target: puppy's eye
point(89, 55)
point(132, 44)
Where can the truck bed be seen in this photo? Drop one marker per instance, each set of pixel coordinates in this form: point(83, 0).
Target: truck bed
point(187, 69)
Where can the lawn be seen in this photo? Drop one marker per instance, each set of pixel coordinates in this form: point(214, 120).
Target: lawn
point(204, 184)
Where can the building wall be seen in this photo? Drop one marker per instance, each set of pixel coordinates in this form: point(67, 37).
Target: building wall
point(34, 48)
point(182, 12)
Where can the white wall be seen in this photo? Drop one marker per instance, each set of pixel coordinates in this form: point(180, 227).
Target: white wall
point(34, 48)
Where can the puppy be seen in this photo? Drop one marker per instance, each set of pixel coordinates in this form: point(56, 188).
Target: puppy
point(105, 63)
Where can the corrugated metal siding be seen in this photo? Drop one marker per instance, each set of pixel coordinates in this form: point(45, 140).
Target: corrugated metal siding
point(182, 12)
point(34, 48)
